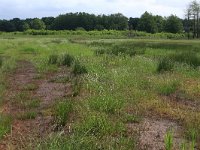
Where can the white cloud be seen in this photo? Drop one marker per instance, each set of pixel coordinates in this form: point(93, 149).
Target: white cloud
point(130, 8)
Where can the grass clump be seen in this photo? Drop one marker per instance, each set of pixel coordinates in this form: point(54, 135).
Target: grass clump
point(189, 58)
point(66, 60)
point(60, 79)
point(27, 115)
point(169, 140)
point(168, 88)
point(164, 64)
point(95, 125)
point(62, 112)
point(76, 86)
point(53, 59)
point(78, 68)
point(30, 87)
point(1, 61)
point(24, 101)
point(33, 103)
point(106, 104)
point(130, 118)
point(5, 125)
point(123, 49)
point(73, 142)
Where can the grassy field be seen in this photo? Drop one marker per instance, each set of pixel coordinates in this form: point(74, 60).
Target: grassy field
point(62, 93)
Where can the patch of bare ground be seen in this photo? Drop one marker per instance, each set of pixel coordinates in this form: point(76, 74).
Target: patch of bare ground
point(49, 90)
point(181, 98)
point(25, 132)
point(151, 133)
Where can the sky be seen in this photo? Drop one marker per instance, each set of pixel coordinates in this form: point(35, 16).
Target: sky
point(131, 8)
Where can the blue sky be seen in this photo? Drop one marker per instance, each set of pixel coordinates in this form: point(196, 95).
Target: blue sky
point(130, 8)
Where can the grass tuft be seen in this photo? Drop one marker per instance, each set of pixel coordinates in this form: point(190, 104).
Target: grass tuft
point(169, 140)
point(78, 68)
point(189, 58)
point(106, 104)
point(27, 115)
point(5, 125)
point(165, 64)
point(65, 60)
point(53, 59)
point(62, 112)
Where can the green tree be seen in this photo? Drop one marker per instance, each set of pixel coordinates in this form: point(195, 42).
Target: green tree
point(133, 23)
point(25, 26)
point(160, 22)
point(147, 23)
point(7, 26)
point(173, 24)
point(37, 24)
point(48, 22)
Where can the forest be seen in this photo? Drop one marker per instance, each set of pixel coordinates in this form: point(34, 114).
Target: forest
point(84, 21)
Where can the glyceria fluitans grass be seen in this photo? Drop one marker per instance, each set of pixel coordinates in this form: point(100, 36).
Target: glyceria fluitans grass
point(193, 138)
point(169, 140)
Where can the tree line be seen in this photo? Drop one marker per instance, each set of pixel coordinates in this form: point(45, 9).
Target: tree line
point(193, 16)
point(84, 21)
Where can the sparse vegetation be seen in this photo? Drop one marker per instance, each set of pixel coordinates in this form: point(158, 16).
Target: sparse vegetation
point(27, 115)
point(97, 93)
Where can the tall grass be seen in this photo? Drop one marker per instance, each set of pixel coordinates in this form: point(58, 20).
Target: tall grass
point(189, 58)
point(66, 60)
point(53, 59)
point(169, 140)
point(165, 64)
point(5, 125)
point(78, 68)
point(62, 112)
point(107, 104)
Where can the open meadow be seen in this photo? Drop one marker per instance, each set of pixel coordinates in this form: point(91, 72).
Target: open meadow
point(95, 92)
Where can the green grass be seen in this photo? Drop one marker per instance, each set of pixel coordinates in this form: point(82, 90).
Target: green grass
point(66, 60)
point(165, 65)
point(24, 100)
point(106, 104)
point(124, 80)
point(1, 61)
point(60, 79)
point(169, 140)
point(62, 112)
point(53, 59)
point(27, 115)
point(79, 68)
point(130, 118)
point(168, 88)
point(30, 87)
point(5, 125)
